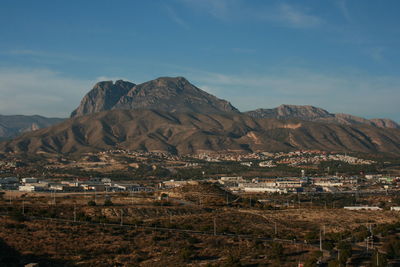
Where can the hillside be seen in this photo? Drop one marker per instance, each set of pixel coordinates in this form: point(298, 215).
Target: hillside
point(186, 133)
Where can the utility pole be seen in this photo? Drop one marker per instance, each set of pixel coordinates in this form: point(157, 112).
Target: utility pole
point(95, 195)
point(320, 240)
point(122, 212)
point(377, 258)
point(74, 212)
point(23, 206)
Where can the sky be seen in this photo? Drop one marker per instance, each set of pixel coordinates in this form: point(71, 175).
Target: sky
point(339, 55)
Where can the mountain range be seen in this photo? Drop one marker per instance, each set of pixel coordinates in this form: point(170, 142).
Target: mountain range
point(310, 113)
point(14, 125)
point(171, 114)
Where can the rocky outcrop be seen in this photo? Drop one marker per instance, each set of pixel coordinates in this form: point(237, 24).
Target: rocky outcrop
point(310, 113)
point(103, 96)
point(164, 94)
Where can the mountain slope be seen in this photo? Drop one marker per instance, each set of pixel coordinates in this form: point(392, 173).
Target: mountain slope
point(184, 133)
point(310, 113)
point(165, 93)
point(13, 125)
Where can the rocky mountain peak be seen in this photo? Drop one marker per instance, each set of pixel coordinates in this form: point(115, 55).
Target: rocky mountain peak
point(165, 93)
point(296, 111)
point(103, 96)
point(291, 111)
point(385, 123)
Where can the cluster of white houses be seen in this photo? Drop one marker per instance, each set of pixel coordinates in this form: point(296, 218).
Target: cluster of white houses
point(294, 184)
point(373, 208)
point(32, 184)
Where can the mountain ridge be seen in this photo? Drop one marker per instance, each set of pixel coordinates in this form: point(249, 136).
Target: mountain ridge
point(14, 125)
point(311, 113)
point(170, 114)
point(192, 133)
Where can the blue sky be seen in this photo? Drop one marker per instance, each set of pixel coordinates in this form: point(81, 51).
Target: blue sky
point(339, 55)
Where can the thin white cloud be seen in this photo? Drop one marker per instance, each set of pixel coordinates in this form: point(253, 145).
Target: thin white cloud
point(40, 91)
point(40, 54)
point(220, 9)
point(284, 14)
point(109, 78)
point(342, 4)
point(375, 53)
point(296, 17)
point(49, 93)
point(175, 17)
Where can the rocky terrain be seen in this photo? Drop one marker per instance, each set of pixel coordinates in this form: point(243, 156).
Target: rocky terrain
point(310, 113)
point(165, 93)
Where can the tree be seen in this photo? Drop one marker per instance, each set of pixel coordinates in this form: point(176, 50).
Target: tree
point(344, 248)
point(108, 202)
point(277, 251)
point(186, 253)
point(392, 248)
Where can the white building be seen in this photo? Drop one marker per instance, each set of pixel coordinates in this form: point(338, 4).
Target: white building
point(172, 183)
point(57, 187)
point(328, 183)
point(267, 164)
point(231, 181)
point(362, 208)
point(373, 176)
point(264, 190)
point(29, 188)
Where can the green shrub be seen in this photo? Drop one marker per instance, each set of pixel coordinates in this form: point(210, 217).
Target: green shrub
point(108, 202)
point(18, 216)
point(186, 253)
